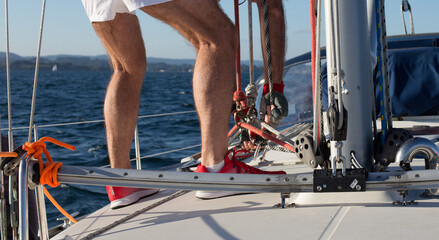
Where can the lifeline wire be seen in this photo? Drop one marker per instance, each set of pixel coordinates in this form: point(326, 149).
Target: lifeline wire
point(37, 65)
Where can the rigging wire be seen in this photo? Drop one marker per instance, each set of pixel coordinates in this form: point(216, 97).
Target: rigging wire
point(37, 65)
point(3, 216)
point(8, 79)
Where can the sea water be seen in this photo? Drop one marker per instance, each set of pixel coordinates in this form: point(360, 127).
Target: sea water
point(78, 96)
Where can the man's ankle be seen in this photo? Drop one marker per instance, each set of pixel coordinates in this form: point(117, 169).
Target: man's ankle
point(216, 167)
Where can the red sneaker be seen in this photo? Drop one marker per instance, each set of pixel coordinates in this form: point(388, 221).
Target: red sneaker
point(231, 165)
point(124, 196)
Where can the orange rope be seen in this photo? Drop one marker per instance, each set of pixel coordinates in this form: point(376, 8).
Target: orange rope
point(8, 154)
point(48, 170)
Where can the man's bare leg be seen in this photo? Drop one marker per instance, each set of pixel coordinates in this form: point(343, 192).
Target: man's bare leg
point(123, 41)
point(204, 24)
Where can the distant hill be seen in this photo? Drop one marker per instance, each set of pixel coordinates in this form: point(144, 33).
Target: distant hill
point(100, 62)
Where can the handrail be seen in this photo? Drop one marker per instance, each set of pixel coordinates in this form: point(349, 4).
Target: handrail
point(299, 182)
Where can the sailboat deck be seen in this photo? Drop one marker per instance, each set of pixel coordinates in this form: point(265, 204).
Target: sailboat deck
point(252, 216)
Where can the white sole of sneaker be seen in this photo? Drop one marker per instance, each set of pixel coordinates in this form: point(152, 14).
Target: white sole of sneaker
point(130, 199)
point(212, 195)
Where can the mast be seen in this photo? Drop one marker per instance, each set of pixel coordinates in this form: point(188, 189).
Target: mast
point(349, 79)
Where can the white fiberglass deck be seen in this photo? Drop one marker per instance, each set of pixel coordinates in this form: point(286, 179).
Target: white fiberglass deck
point(252, 216)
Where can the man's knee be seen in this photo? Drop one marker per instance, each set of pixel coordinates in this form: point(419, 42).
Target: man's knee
point(134, 66)
point(223, 38)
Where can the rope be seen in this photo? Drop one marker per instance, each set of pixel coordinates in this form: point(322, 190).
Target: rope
point(238, 49)
point(385, 107)
point(268, 51)
point(133, 215)
point(266, 135)
point(48, 170)
point(238, 96)
point(8, 154)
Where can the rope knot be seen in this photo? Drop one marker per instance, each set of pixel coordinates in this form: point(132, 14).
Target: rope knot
point(48, 170)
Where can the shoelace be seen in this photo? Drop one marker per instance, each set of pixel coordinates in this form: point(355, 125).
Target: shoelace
point(244, 166)
point(235, 160)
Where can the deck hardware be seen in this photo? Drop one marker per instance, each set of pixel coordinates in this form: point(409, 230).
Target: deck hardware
point(160, 175)
point(13, 204)
point(354, 180)
point(262, 158)
point(283, 197)
point(418, 146)
point(232, 178)
point(338, 123)
point(305, 150)
point(404, 201)
point(283, 203)
point(125, 174)
point(385, 154)
point(66, 222)
point(9, 165)
point(91, 171)
point(339, 158)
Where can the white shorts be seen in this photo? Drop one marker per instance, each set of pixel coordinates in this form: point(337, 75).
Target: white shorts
point(105, 10)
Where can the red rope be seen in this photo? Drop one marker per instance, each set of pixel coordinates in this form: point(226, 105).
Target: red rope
point(266, 136)
point(238, 49)
point(312, 5)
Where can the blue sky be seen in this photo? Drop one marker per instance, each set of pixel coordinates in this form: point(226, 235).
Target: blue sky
point(67, 29)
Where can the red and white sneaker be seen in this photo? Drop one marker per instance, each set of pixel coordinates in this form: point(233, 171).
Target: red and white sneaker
point(231, 165)
point(124, 196)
